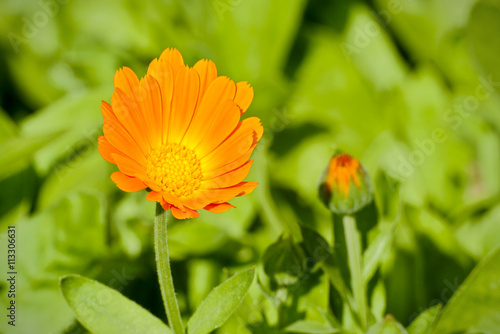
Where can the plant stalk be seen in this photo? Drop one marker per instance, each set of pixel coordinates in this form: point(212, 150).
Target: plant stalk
point(355, 266)
point(164, 272)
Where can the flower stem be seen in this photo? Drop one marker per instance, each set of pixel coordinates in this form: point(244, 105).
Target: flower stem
point(164, 272)
point(354, 257)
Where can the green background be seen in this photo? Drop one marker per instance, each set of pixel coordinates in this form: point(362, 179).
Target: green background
point(410, 87)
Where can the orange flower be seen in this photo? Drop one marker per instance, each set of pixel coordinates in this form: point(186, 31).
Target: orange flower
point(178, 132)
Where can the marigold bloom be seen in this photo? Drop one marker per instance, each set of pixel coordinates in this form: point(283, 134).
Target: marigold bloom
point(345, 186)
point(178, 132)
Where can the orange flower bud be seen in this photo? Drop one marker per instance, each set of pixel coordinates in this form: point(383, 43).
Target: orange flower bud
point(345, 185)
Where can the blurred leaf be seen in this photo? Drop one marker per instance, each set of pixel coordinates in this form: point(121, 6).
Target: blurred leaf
point(423, 323)
point(133, 223)
point(488, 152)
point(313, 297)
point(479, 292)
point(103, 310)
point(77, 118)
point(387, 195)
point(30, 72)
point(69, 237)
point(375, 251)
point(247, 23)
point(16, 200)
point(311, 327)
point(370, 48)
point(18, 152)
point(484, 19)
point(479, 236)
point(194, 238)
point(284, 262)
point(203, 276)
point(378, 301)
point(65, 238)
point(220, 303)
point(8, 128)
point(388, 325)
point(88, 170)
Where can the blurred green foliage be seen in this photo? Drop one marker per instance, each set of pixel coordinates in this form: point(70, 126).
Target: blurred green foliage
point(410, 87)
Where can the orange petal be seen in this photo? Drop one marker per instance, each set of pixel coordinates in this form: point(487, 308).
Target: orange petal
point(219, 91)
point(174, 58)
point(126, 110)
point(246, 188)
point(244, 95)
point(208, 72)
point(226, 194)
point(128, 166)
point(219, 207)
point(225, 166)
point(126, 80)
point(179, 214)
point(162, 72)
point(198, 199)
point(106, 149)
point(127, 183)
point(121, 139)
point(187, 84)
point(238, 143)
point(150, 183)
point(175, 201)
point(155, 196)
point(204, 196)
point(150, 104)
point(165, 205)
point(108, 112)
point(253, 123)
point(224, 121)
point(229, 178)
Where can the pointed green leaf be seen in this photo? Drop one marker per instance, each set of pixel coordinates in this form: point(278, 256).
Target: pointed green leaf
point(104, 310)
point(220, 303)
point(475, 306)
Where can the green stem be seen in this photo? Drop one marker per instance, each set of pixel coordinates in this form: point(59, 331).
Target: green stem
point(355, 266)
point(164, 272)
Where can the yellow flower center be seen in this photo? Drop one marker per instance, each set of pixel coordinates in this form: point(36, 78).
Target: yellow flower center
point(175, 168)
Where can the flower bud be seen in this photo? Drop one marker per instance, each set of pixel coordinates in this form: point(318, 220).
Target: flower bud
point(345, 185)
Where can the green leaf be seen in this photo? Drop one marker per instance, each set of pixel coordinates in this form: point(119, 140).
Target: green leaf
point(475, 306)
point(104, 310)
point(220, 303)
point(310, 327)
point(423, 323)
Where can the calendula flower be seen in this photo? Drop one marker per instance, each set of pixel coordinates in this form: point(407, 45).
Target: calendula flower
point(345, 185)
point(178, 133)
